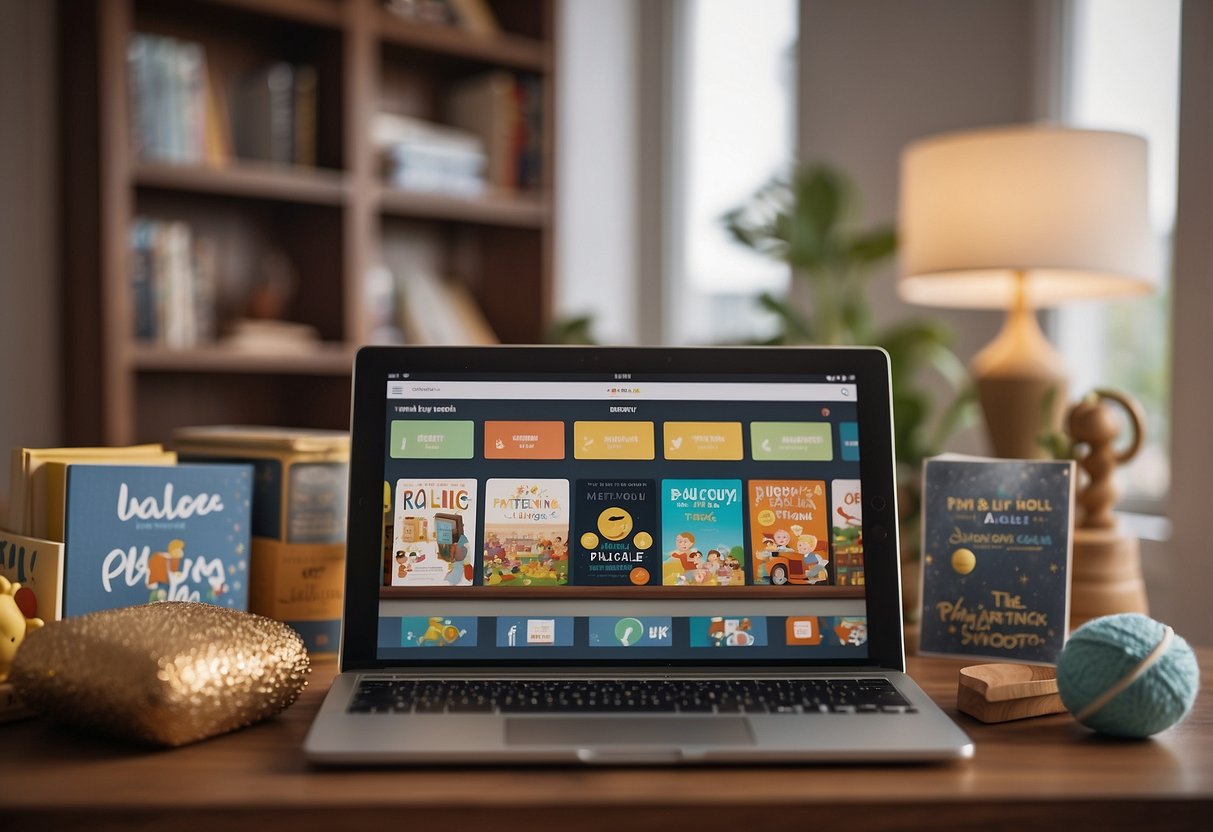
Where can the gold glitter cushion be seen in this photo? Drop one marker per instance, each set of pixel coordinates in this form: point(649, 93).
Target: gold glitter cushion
point(169, 673)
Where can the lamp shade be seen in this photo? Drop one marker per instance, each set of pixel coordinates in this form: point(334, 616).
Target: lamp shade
point(1065, 209)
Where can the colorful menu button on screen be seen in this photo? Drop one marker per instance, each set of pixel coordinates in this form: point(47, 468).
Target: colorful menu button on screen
point(432, 439)
point(803, 630)
point(848, 435)
point(791, 441)
point(702, 440)
point(535, 632)
point(613, 440)
point(524, 440)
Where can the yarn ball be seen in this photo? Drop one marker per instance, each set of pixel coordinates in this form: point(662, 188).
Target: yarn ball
point(1107, 650)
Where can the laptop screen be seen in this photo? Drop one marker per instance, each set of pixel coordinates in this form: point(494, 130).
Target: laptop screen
point(622, 516)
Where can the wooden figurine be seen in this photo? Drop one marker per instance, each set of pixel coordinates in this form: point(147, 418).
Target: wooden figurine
point(1003, 692)
point(1106, 576)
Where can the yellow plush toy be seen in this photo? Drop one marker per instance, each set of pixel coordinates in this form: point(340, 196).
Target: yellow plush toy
point(17, 610)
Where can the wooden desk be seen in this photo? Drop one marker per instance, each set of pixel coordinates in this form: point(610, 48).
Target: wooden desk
point(1035, 774)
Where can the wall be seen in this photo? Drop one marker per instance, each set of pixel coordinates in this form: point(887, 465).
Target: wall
point(29, 320)
point(596, 189)
point(1187, 563)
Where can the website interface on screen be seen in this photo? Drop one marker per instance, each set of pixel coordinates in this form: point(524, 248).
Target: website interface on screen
point(652, 518)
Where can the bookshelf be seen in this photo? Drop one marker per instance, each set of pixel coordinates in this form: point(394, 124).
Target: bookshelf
point(314, 225)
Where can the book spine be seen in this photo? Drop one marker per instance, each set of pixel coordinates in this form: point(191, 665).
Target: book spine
point(158, 100)
point(282, 127)
point(192, 67)
point(137, 80)
point(174, 101)
point(204, 268)
point(179, 312)
point(142, 279)
point(305, 116)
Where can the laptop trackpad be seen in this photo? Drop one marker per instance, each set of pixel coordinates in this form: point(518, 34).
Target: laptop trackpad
point(593, 731)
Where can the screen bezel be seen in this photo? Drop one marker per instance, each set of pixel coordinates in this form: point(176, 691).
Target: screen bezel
point(869, 365)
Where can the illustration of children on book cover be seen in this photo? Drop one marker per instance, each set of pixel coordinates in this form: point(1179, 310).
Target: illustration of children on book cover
point(701, 533)
point(614, 541)
point(526, 532)
point(434, 533)
point(788, 532)
point(846, 519)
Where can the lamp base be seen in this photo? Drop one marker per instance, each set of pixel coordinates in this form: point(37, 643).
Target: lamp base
point(1021, 382)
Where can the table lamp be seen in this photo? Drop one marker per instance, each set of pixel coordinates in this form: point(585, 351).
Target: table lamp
point(1021, 218)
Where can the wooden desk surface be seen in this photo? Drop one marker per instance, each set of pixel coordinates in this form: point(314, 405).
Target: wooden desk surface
point(1042, 773)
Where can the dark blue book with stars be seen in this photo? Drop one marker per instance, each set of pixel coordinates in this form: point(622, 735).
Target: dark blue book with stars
point(138, 534)
point(997, 543)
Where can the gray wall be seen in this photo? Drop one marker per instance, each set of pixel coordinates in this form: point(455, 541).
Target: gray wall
point(596, 188)
point(29, 280)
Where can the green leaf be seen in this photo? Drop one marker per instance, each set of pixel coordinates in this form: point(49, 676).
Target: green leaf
point(797, 328)
point(874, 246)
point(820, 196)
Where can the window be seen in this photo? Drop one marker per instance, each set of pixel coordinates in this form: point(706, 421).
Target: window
point(734, 84)
point(1121, 72)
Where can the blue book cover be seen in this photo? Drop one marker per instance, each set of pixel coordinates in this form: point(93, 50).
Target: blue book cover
point(996, 558)
point(702, 537)
point(134, 535)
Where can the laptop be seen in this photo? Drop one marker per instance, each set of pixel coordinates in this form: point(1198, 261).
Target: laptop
point(624, 556)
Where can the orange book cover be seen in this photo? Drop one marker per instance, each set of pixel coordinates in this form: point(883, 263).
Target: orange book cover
point(789, 533)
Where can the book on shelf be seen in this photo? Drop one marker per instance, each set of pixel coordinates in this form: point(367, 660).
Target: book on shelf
point(425, 157)
point(173, 283)
point(473, 16)
point(274, 114)
point(176, 113)
point(298, 519)
point(180, 109)
point(441, 312)
point(505, 109)
point(433, 12)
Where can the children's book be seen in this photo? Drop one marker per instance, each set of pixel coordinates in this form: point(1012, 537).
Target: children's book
point(615, 539)
point(300, 480)
point(702, 540)
point(846, 535)
point(434, 533)
point(37, 565)
point(36, 504)
point(996, 557)
point(526, 532)
point(789, 532)
point(138, 534)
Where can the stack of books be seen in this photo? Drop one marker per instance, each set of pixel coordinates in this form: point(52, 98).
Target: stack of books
point(173, 283)
point(431, 158)
point(505, 109)
point(97, 528)
point(176, 114)
point(180, 111)
point(298, 520)
point(92, 529)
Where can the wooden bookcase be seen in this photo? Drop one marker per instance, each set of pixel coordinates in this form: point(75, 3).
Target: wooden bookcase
point(333, 221)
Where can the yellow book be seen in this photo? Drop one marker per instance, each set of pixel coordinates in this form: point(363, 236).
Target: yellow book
point(51, 490)
point(27, 461)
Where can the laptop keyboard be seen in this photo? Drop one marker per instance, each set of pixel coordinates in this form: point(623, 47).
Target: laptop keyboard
point(779, 696)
